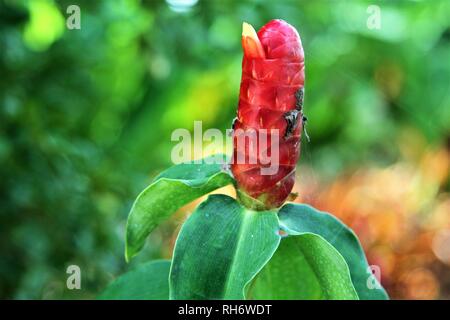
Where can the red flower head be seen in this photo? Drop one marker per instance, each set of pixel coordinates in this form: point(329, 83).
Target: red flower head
point(270, 108)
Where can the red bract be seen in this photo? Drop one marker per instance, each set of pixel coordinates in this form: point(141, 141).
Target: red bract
point(271, 98)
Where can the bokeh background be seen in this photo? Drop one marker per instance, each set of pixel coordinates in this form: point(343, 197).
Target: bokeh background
point(86, 117)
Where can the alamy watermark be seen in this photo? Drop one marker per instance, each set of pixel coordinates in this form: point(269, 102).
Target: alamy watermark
point(374, 19)
point(253, 147)
point(74, 279)
point(73, 21)
point(374, 279)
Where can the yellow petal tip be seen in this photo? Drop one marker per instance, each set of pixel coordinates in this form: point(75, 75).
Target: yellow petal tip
point(248, 31)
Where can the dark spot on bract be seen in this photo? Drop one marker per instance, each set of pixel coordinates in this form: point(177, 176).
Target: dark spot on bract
point(291, 118)
point(233, 124)
point(299, 99)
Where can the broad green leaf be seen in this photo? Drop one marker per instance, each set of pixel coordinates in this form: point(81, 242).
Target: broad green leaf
point(172, 189)
point(299, 219)
point(220, 248)
point(304, 267)
point(149, 281)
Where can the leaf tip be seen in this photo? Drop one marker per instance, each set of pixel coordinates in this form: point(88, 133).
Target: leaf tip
point(127, 255)
point(129, 252)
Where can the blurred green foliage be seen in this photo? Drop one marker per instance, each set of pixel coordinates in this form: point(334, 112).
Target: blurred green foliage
point(86, 115)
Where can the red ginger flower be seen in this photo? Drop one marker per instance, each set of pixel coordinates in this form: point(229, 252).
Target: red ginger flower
point(271, 98)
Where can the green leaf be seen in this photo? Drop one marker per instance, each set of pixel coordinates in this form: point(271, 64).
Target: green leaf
point(172, 189)
point(220, 248)
point(304, 267)
point(298, 219)
point(149, 281)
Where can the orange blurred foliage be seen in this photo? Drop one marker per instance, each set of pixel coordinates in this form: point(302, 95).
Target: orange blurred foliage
point(401, 217)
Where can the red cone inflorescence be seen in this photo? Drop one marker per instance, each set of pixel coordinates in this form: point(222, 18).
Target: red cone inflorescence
point(271, 98)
